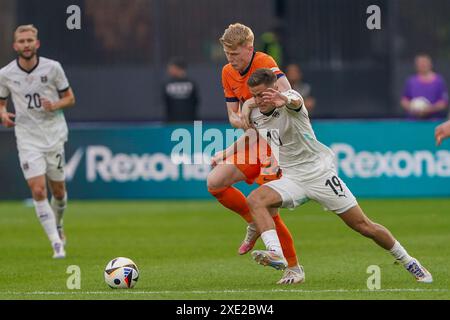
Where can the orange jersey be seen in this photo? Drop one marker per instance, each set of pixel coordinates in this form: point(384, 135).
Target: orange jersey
point(235, 83)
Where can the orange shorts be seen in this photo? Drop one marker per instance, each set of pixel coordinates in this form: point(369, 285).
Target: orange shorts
point(259, 167)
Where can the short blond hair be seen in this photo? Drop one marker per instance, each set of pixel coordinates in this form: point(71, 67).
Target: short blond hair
point(237, 35)
point(26, 28)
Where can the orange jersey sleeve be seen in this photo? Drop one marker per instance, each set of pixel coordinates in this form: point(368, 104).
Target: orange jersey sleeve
point(227, 79)
point(235, 83)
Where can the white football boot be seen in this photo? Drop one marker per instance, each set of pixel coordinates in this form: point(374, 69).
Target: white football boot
point(270, 258)
point(58, 250)
point(293, 275)
point(418, 271)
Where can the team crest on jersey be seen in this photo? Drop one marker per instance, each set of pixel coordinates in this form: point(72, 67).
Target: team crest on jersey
point(25, 166)
point(276, 114)
point(44, 79)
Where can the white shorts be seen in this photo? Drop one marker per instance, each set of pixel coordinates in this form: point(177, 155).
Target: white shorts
point(35, 163)
point(328, 190)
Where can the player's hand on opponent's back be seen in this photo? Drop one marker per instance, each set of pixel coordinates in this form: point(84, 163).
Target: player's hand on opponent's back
point(246, 109)
point(48, 105)
point(7, 119)
point(275, 97)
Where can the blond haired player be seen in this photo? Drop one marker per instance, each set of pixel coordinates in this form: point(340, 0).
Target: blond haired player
point(40, 91)
point(237, 42)
point(308, 173)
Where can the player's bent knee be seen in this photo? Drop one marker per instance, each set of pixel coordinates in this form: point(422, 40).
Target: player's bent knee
point(255, 200)
point(212, 182)
point(59, 193)
point(215, 181)
point(39, 192)
point(252, 202)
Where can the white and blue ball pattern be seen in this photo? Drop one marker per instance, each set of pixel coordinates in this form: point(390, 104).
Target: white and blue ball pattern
point(121, 273)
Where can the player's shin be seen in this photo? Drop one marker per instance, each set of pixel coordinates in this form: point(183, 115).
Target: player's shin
point(234, 200)
point(264, 223)
point(287, 243)
point(271, 241)
point(47, 219)
point(58, 206)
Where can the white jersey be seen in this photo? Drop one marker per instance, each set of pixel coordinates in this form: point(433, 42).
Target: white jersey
point(289, 133)
point(36, 129)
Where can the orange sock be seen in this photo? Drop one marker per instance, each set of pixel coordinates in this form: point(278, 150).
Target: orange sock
point(287, 243)
point(234, 200)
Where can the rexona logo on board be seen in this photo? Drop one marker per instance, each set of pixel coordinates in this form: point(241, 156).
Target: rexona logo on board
point(399, 164)
point(103, 165)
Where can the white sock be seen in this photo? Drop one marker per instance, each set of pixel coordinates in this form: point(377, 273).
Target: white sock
point(400, 253)
point(270, 239)
point(58, 207)
point(295, 268)
point(47, 219)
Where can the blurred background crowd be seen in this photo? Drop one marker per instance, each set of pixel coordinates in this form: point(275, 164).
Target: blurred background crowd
point(123, 62)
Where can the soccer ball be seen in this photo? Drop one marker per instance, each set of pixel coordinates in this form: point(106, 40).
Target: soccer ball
point(121, 273)
point(419, 104)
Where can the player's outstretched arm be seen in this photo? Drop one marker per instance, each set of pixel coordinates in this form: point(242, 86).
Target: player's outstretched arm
point(291, 98)
point(6, 117)
point(441, 132)
point(67, 100)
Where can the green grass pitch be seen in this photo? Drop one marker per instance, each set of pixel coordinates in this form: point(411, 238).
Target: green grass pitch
point(188, 250)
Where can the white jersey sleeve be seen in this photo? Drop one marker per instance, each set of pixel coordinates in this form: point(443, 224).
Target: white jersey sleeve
point(61, 82)
point(292, 95)
point(4, 91)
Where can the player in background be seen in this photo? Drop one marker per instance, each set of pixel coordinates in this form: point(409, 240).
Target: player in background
point(40, 91)
point(442, 132)
point(238, 45)
point(308, 173)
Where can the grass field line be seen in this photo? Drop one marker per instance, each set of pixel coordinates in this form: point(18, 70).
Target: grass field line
point(134, 292)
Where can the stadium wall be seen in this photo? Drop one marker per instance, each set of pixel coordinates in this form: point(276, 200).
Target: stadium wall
point(374, 158)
